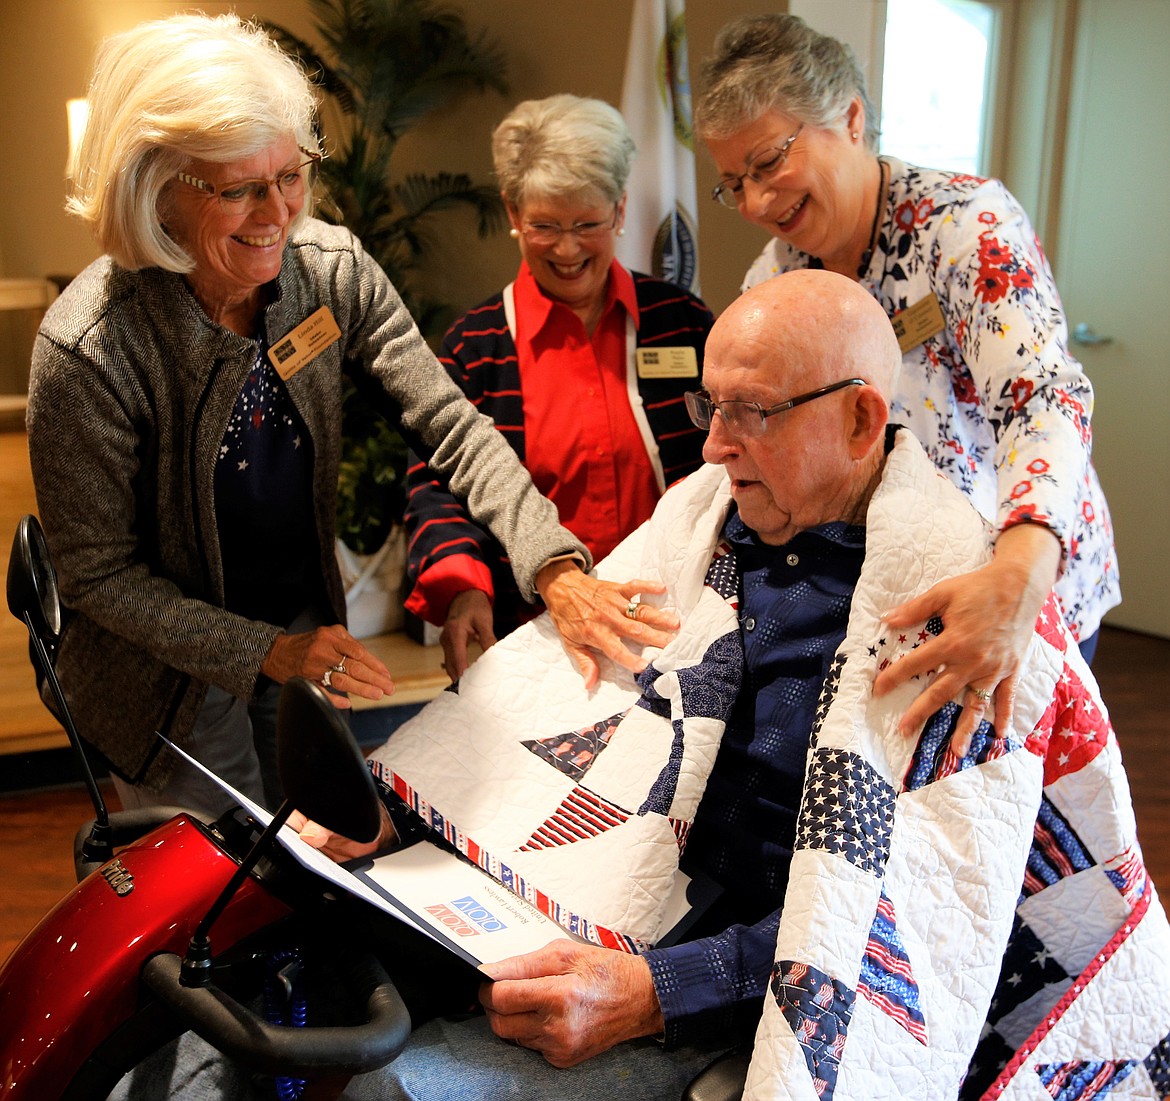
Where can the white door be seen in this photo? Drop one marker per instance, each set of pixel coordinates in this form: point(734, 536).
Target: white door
point(1113, 270)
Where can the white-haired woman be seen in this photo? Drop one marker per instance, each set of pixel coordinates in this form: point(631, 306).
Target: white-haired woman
point(581, 364)
point(184, 421)
point(987, 382)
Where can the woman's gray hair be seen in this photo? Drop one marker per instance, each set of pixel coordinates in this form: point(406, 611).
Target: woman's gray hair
point(168, 92)
point(768, 63)
point(563, 146)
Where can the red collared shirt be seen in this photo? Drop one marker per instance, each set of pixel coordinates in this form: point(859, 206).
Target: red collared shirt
point(582, 444)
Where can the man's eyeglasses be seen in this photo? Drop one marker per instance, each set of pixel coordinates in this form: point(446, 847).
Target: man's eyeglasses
point(749, 418)
point(548, 233)
point(241, 196)
point(763, 169)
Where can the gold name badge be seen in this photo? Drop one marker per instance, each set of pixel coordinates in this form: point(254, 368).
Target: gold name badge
point(918, 323)
point(306, 342)
point(667, 363)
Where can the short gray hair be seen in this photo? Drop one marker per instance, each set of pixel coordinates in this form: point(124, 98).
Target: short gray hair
point(165, 93)
point(563, 146)
point(765, 63)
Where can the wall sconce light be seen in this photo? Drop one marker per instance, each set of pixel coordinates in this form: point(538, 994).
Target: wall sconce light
point(77, 114)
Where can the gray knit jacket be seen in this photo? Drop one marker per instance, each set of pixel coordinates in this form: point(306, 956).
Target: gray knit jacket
point(129, 398)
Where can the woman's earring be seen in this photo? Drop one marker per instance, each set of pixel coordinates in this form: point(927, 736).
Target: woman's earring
point(513, 232)
point(621, 231)
point(854, 135)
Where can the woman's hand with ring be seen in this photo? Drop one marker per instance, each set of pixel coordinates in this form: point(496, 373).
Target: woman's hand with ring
point(989, 617)
point(332, 657)
point(595, 616)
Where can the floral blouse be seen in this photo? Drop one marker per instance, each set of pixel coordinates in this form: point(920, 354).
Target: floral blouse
point(994, 396)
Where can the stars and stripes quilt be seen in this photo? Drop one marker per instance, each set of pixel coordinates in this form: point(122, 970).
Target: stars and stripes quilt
point(974, 928)
point(581, 801)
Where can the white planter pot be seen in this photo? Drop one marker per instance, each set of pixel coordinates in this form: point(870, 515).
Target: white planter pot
point(374, 585)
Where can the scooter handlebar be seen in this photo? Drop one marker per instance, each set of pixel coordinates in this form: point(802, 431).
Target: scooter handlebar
point(277, 1049)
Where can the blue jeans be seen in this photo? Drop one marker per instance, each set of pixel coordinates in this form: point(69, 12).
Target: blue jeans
point(444, 1060)
point(464, 1060)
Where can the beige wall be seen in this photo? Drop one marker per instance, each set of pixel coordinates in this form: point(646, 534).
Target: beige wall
point(46, 48)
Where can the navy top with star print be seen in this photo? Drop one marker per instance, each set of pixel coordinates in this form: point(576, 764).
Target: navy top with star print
point(264, 503)
point(794, 608)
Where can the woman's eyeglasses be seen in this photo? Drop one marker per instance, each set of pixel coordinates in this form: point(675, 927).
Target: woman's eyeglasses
point(548, 233)
point(241, 196)
point(762, 170)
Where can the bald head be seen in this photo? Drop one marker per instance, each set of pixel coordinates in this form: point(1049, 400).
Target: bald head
point(811, 328)
point(819, 460)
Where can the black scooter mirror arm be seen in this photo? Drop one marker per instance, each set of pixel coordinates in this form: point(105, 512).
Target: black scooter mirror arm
point(98, 846)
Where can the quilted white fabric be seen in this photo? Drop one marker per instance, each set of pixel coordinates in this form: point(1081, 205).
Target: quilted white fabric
point(952, 928)
point(578, 800)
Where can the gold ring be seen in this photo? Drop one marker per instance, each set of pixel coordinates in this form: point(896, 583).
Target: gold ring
point(632, 610)
point(983, 693)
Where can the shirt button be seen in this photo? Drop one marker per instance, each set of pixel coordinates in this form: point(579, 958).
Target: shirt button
point(793, 560)
point(749, 624)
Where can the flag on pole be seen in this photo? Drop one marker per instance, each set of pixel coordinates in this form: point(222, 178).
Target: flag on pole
point(661, 235)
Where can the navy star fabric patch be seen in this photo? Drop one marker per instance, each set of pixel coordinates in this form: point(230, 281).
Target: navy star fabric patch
point(848, 810)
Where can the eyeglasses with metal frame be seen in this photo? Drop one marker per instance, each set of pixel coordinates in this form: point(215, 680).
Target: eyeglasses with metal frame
point(547, 233)
point(749, 418)
point(243, 195)
point(763, 169)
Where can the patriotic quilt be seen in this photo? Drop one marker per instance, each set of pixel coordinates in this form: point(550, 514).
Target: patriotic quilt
point(962, 928)
point(953, 928)
point(580, 801)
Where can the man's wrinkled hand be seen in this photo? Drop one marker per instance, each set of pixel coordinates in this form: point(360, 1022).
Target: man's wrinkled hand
point(338, 848)
point(571, 1001)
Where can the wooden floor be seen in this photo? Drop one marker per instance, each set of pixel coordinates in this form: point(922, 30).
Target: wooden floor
point(38, 826)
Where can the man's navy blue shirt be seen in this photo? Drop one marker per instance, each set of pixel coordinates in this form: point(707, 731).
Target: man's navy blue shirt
point(794, 608)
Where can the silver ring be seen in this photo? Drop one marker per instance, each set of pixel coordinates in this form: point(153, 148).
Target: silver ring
point(984, 694)
point(340, 666)
point(632, 609)
point(327, 677)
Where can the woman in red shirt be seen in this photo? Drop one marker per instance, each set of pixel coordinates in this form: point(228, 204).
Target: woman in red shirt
point(581, 364)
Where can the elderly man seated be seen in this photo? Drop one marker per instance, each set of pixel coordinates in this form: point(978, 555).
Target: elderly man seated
point(873, 885)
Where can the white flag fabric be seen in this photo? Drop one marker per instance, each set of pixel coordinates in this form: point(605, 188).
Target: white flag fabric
point(661, 235)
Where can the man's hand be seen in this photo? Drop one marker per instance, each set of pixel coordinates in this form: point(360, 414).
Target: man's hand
point(591, 616)
point(989, 616)
point(339, 849)
point(468, 618)
point(571, 1001)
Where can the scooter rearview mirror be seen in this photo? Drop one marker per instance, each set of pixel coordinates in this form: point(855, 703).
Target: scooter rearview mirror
point(324, 776)
point(321, 767)
point(32, 583)
point(34, 599)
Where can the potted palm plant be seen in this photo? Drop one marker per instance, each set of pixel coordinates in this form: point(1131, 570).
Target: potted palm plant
point(383, 66)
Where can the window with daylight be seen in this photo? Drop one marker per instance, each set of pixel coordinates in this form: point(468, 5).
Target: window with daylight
point(936, 82)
